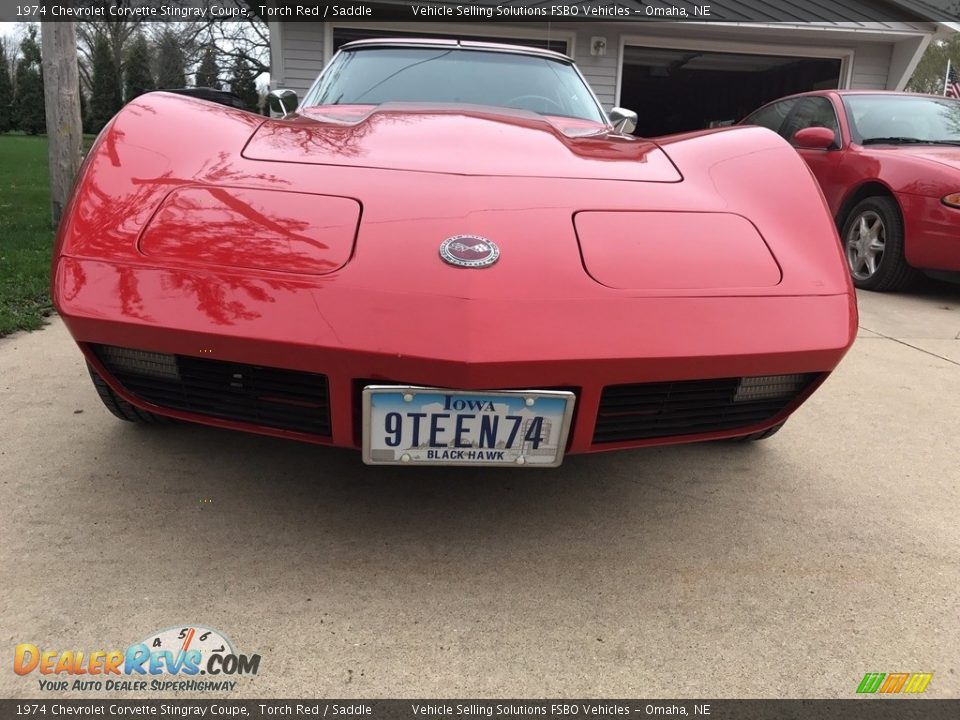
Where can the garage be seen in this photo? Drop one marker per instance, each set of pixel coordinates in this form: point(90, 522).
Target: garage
point(679, 89)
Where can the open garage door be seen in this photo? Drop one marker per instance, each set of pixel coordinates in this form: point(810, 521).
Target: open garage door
point(676, 90)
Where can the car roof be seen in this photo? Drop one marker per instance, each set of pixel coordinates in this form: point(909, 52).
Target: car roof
point(834, 91)
point(462, 44)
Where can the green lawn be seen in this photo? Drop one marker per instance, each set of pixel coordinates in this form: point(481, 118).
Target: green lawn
point(26, 236)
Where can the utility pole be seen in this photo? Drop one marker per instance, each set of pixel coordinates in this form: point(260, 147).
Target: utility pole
point(61, 89)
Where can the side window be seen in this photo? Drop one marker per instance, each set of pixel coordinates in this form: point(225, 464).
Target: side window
point(771, 116)
point(812, 112)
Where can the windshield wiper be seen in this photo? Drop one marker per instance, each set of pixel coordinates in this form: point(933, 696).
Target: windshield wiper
point(906, 141)
point(893, 141)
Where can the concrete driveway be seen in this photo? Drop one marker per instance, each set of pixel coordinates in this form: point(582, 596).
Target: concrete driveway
point(785, 568)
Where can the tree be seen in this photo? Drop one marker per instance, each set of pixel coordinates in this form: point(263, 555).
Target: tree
point(62, 110)
point(248, 39)
point(84, 108)
point(930, 74)
point(6, 93)
point(28, 105)
point(10, 45)
point(105, 99)
point(244, 85)
point(208, 74)
point(171, 63)
point(138, 77)
point(119, 34)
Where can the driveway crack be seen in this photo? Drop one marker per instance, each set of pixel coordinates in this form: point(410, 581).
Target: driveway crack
point(902, 342)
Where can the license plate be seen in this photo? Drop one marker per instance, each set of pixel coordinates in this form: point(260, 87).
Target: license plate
point(405, 425)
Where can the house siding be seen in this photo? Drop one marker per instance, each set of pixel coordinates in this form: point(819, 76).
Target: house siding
point(302, 47)
point(599, 70)
point(871, 66)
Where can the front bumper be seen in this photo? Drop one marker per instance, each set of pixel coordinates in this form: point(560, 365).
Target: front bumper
point(355, 336)
point(932, 232)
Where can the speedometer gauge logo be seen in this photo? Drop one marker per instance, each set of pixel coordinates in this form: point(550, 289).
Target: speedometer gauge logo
point(192, 650)
point(204, 640)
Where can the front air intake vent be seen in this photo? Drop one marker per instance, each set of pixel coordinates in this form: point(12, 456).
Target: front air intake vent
point(255, 394)
point(690, 407)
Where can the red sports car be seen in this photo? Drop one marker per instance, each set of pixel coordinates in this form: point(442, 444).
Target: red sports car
point(449, 254)
point(889, 165)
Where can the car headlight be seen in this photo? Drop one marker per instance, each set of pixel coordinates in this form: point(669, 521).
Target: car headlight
point(953, 200)
point(140, 362)
point(770, 387)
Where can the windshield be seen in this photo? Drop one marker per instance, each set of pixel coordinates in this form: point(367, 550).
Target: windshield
point(371, 76)
point(901, 119)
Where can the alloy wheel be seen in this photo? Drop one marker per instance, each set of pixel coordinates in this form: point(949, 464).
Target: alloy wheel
point(865, 242)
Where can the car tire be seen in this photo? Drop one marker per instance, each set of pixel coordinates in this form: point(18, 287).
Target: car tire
point(762, 435)
point(873, 245)
point(120, 407)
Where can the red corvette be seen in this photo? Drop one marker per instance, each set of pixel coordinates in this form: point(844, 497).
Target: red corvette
point(448, 254)
point(889, 165)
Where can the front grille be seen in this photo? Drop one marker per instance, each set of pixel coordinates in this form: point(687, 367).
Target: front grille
point(689, 407)
point(267, 396)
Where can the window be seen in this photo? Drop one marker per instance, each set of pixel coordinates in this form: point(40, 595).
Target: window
point(812, 112)
point(903, 118)
point(454, 75)
point(772, 116)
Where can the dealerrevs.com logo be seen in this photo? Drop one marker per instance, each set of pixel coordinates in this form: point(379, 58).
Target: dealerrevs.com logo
point(171, 659)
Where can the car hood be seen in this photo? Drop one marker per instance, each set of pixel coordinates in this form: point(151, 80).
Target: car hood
point(943, 154)
point(461, 141)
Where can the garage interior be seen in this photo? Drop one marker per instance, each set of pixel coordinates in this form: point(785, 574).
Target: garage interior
point(675, 90)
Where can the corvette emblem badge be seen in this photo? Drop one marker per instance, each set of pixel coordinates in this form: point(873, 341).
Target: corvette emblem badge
point(469, 251)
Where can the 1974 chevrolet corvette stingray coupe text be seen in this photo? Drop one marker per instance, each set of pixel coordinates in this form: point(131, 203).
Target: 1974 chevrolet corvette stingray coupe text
point(449, 254)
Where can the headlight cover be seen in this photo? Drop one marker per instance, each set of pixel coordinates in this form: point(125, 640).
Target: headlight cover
point(674, 250)
point(252, 228)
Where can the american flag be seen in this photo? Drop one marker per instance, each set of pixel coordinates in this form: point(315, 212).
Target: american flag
point(953, 84)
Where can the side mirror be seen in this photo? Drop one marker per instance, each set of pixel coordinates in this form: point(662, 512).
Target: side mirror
point(284, 102)
point(815, 138)
point(624, 121)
